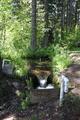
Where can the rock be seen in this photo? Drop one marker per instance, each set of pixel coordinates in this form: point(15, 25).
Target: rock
point(75, 91)
point(16, 85)
point(76, 82)
point(73, 71)
point(10, 118)
point(43, 95)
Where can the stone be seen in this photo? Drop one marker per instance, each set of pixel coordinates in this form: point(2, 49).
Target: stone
point(16, 85)
point(76, 91)
point(43, 95)
point(10, 118)
point(76, 82)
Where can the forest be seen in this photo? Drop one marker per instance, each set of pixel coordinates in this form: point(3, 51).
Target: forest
point(39, 59)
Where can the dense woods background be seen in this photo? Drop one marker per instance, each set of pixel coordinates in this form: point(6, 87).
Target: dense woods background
point(42, 26)
point(39, 40)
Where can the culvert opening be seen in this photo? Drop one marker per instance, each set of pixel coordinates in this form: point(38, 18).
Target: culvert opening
point(37, 85)
point(49, 80)
point(35, 81)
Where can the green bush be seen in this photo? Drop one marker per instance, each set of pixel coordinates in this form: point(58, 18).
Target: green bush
point(25, 100)
point(60, 59)
point(40, 52)
point(25, 96)
point(21, 66)
point(71, 38)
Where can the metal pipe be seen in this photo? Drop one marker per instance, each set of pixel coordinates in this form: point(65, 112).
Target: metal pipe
point(63, 87)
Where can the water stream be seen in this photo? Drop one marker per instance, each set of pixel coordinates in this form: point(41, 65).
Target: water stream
point(42, 76)
point(43, 84)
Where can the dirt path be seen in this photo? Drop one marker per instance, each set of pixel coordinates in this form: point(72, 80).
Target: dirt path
point(40, 111)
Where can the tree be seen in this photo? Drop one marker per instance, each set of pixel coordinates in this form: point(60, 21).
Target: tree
point(33, 39)
point(62, 20)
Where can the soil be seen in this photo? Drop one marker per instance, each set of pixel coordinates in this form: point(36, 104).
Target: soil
point(40, 111)
point(10, 105)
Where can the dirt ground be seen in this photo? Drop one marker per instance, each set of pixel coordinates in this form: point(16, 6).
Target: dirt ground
point(41, 111)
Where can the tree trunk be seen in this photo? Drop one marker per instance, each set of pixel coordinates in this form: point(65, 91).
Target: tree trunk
point(62, 20)
point(76, 13)
point(46, 23)
point(33, 39)
point(67, 18)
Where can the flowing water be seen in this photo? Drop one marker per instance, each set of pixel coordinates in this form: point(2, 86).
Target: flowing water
point(43, 84)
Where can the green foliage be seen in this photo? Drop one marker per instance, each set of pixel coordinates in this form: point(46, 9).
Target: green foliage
point(21, 67)
point(25, 99)
point(71, 39)
point(61, 59)
point(25, 95)
point(29, 84)
point(71, 107)
point(15, 32)
point(41, 52)
point(33, 118)
point(15, 35)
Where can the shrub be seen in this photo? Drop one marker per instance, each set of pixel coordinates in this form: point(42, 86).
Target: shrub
point(71, 107)
point(25, 96)
point(40, 52)
point(60, 59)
